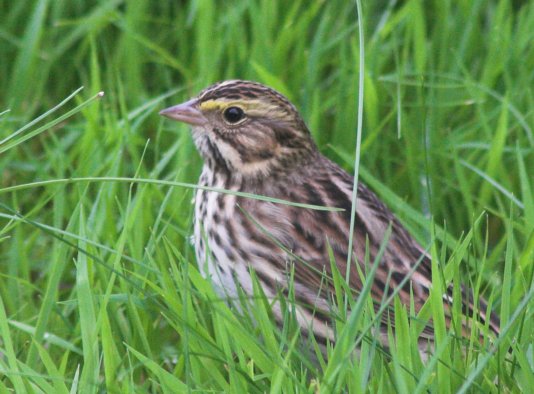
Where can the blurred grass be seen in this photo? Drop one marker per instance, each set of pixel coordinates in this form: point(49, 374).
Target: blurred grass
point(98, 282)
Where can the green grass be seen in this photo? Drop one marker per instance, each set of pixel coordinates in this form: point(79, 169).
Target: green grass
point(99, 288)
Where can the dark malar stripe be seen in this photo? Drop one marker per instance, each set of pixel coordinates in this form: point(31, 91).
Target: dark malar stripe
point(221, 164)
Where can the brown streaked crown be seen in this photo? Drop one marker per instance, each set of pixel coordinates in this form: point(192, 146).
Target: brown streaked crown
point(245, 90)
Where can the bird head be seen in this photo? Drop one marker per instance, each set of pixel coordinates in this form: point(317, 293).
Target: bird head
point(245, 128)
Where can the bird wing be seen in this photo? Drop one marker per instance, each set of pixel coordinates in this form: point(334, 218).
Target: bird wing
point(306, 236)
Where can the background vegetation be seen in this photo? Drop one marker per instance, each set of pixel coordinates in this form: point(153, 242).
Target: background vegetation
point(99, 290)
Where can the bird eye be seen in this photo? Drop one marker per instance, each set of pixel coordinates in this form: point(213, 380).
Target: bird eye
point(233, 115)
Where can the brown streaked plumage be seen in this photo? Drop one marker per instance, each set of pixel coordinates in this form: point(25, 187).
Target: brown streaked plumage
point(253, 140)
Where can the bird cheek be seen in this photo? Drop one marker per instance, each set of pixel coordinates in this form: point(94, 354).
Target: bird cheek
point(264, 144)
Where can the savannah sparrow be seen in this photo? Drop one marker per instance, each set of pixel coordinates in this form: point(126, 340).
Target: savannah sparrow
point(253, 140)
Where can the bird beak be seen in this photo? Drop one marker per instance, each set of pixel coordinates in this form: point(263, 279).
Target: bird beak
point(186, 112)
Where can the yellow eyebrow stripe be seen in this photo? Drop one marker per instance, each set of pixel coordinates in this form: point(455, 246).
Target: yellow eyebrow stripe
point(211, 105)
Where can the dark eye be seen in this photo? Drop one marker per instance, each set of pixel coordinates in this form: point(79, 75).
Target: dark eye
point(233, 114)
